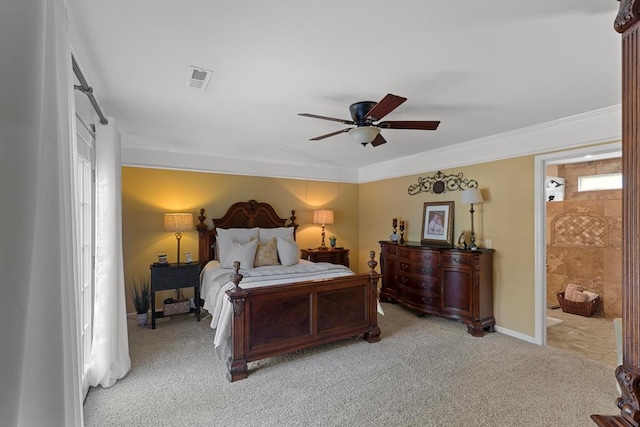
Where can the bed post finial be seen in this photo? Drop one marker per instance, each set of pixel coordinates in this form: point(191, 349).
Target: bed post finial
point(202, 226)
point(372, 262)
point(236, 277)
point(293, 224)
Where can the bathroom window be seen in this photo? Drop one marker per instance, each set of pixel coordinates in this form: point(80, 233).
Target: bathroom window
point(609, 181)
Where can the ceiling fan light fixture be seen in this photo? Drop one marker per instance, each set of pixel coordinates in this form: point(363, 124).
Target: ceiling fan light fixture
point(364, 134)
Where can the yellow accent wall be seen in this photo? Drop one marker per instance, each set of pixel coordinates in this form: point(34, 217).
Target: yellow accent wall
point(148, 193)
point(363, 215)
point(506, 218)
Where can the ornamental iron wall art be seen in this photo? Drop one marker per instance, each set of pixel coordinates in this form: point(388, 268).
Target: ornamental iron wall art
point(441, 183)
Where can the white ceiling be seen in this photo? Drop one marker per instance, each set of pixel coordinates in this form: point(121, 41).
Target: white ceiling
point(480, 67)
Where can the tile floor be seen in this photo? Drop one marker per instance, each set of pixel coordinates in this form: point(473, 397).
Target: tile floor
point(592, 337)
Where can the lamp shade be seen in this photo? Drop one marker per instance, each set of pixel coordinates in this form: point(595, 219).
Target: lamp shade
point(323, 216)
point(472, 195)
point(364, 134)
point(178, 222)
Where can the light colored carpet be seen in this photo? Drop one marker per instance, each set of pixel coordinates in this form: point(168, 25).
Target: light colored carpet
point(552, 321)
point(424, 372)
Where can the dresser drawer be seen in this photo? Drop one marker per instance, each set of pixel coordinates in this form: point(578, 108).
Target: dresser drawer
point(418, 299)
point(175, 276)
point(458, 259)
point(389, 250)
point(431, 271)
point(420, 257)
point(331, 257)
point(420, 283)
point(163, 273)
point(190, 272)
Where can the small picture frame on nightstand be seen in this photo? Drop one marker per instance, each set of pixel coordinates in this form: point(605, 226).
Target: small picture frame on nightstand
point(187, 257)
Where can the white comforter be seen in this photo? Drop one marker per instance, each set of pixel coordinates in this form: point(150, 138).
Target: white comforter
point(214, 282)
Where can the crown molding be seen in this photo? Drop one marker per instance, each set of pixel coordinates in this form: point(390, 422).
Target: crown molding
point(138, 154)
point(594, 127)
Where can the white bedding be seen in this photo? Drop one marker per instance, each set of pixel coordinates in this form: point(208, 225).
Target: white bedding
point(214, 282)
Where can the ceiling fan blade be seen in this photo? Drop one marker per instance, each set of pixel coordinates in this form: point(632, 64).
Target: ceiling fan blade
point(333, 119)
point(408, 124)
point(318, 138)
point(378, 140)
point(386, 105)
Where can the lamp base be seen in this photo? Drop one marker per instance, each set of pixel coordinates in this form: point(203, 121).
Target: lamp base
point(322, 246)
point(178, 237)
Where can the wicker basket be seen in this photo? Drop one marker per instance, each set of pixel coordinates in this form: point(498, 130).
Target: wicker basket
point(176, 307)
point(581, 308)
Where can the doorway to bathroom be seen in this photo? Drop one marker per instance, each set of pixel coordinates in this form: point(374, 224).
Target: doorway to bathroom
point(579, 242)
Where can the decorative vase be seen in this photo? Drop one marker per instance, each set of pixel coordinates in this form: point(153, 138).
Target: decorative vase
point(142, 319)
point(332, 242)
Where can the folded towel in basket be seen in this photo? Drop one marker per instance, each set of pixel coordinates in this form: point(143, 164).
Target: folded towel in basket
point(571, 288)
point(579, 296)
point(592, 295)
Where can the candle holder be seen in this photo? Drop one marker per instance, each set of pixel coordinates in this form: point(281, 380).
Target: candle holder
point(394, 236)
point(401, 231)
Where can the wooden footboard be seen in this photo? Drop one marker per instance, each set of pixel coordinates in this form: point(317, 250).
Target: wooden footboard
point(280, 319)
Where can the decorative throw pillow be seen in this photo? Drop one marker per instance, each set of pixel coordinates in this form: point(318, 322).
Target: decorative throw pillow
point(267, 253)
point(282, 232)
point(288, 252)
point(245, 253)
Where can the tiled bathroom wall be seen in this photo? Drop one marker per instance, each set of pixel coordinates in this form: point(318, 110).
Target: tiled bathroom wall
point(584, 237)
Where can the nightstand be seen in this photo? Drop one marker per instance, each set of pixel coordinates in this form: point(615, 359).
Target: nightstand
point(175, 276)
point(334, 256)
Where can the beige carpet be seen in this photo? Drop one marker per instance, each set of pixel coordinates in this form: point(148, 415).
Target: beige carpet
point(424, 372)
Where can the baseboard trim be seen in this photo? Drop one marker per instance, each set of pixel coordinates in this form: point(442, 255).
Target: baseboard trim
point(515, 334)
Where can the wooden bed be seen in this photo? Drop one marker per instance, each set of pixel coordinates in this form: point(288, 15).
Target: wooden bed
point(278, 319)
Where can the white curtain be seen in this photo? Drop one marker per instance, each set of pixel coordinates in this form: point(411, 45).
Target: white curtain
point(110, 349)
point(39, 350)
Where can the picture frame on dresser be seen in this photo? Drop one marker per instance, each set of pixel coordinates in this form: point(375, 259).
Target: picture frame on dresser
point(437, 223)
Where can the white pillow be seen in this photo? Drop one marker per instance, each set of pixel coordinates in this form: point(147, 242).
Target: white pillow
point(281, 232)
point(226, 237)
point(288, 252)
point(245, 253)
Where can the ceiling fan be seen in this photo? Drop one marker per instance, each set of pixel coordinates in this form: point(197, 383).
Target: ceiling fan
point(366, 115)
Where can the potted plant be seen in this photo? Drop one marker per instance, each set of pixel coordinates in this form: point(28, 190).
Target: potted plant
point(141, 298)
point(332, 241)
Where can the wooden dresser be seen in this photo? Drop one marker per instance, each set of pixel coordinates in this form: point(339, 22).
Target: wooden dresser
point(448, 282)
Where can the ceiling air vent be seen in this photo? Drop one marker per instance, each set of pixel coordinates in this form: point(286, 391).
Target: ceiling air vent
point(198, 78)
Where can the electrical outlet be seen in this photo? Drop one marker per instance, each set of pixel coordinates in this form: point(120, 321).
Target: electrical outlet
point(488, 243)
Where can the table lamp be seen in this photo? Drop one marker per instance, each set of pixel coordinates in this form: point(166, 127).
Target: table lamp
point(323, 216)
point(471, 196)
point(177, 223)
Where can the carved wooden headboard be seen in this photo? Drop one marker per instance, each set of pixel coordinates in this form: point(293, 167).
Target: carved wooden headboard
point(240, 215)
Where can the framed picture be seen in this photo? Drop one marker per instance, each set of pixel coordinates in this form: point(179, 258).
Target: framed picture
point(437, 223)
point(187, 257)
